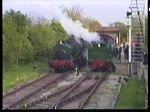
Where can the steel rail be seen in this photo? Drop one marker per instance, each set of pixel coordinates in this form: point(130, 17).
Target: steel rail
point(32, 93)
point(25, 85)
point(84, 101)
point(30, 104)
point(69, 91)
point(75, 95)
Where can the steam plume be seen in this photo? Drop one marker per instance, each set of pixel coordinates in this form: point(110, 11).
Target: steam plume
point(76, 28)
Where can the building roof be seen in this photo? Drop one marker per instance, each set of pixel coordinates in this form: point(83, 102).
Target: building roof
point(107, 29)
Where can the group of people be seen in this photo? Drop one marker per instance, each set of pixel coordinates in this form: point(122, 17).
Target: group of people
point(119, 51)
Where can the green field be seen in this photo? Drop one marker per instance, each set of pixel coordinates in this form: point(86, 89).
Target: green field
point(132, 95)
point(21, 74)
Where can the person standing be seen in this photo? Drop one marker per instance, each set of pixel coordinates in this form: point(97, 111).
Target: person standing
point(123, 48)
point(145, 58)
point(119, 53)
point(126, 52)
point(77, 70)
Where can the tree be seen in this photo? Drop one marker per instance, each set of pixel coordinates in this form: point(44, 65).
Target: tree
point(136, 26)
point(146, 35)
point(140, 30)
point(16, 46)
point(75, 13)
point(44, 38)
point(20, 19)
point(91, 24)
point(10, 43)
point(123, 30)
point(58, 31)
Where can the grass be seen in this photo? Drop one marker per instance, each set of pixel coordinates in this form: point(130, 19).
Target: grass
point(17, 75)
point(132, 95)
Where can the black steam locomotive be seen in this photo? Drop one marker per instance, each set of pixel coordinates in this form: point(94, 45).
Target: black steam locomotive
point(70, 54)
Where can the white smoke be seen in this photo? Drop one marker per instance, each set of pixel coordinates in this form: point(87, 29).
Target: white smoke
point(76, 28)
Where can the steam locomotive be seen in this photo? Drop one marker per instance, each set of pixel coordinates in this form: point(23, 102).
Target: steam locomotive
point(100, 57)
point(76, 53)
point(70, 54)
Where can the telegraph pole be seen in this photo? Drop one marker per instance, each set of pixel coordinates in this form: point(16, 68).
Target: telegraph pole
point(130, 39)
point(130, 57)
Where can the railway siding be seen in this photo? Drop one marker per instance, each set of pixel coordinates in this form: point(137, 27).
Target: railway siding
point(105, 95)
point(10, 101)
point(102, 98)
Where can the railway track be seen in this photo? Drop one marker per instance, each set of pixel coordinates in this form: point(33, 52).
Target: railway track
point(104, 97)
point(13, 99)
point(76, 95)
point(51, 100)
point(73, 96)
point(24, 85)
point(80, 98)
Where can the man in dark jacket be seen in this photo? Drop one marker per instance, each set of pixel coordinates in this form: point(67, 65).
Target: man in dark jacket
point(145, 58)
point(126, 52)
point(119, 53)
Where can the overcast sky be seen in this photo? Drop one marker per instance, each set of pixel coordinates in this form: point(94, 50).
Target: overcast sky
point(105, 11)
